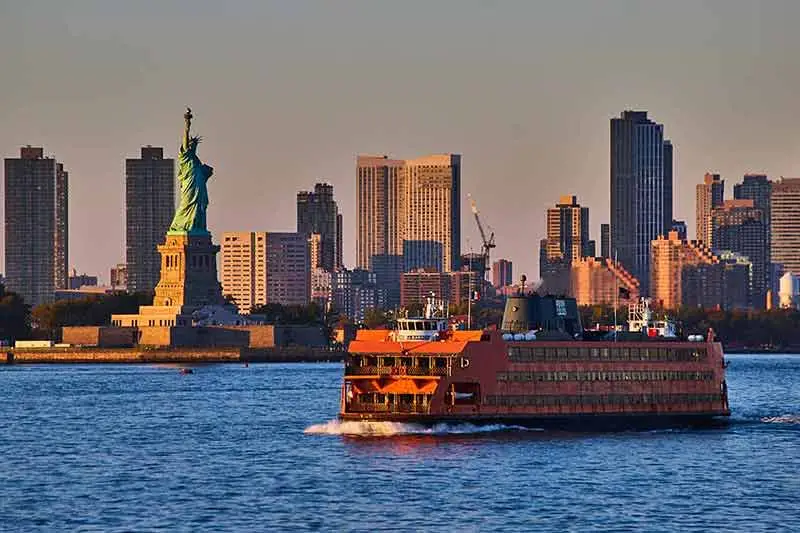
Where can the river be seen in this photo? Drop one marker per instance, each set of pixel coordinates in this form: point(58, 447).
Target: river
point(235, 448)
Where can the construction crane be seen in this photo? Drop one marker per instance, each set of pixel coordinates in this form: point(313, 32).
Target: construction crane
point(488, 244)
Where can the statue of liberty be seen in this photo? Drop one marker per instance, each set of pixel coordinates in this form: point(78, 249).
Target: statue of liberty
point(190, 217)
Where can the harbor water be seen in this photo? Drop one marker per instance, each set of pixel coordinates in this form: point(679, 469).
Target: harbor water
point(235, 448)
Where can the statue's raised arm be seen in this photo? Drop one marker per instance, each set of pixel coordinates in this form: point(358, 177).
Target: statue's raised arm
point(187, 117)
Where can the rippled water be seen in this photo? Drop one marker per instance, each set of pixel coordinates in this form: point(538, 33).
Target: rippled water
point(142, 448)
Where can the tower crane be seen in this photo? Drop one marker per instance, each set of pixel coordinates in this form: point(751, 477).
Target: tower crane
point(488, 244)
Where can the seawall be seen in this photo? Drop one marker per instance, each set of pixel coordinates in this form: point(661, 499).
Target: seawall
point(72, 355)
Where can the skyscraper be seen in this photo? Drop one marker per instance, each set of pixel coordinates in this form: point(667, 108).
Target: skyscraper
point(758, 187)
point(568, 231)
point(605, 240)
point(408, 216)
point(318, 213)
point(785, 224)
point(738, 226)
point(259, 268)
point(671, 256)
point(36, 209)
point(641, 190)
point(710, 194)
point(378, 204)
point(502, 273)
point(431, 214)
point(149, 208)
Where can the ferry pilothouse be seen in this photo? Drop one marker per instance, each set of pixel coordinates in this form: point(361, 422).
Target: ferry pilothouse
point(540, 368)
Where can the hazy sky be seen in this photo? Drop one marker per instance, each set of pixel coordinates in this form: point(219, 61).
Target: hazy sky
point(287, 93)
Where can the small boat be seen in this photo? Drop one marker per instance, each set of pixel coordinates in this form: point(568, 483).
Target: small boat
point(184, 371)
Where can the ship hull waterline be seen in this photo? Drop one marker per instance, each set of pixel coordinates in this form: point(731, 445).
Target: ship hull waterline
point(578, 422)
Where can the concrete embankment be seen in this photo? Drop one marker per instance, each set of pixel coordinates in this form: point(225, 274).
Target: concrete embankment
point(82, 355)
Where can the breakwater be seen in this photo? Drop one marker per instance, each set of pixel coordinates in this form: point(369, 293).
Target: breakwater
point(74, 355)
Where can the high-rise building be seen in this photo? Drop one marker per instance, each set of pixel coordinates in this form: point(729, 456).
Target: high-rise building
point(379, 210)
point(723, 284)
point(62, 227)
point(410, 208)
point(36, 190)
point(710, 194)
point(119, 277)
point(354, 292)
point(259, 268)
point(785, 223)
point(318, 213)
point(567, 241)
point(502, 273)
point(758, 187)
point(432, 210)
point(641, 190)
point(670, 255)
point(602, 281)
point(738, 226)
point(605, 240)
point(568, 231)
point(149, 208)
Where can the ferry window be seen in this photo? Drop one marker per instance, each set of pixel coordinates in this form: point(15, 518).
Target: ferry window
point(405, 361)
point(574, 353)
point(634, 353)
point(595, 353)
point(388, 361)
point(562, 354)
point(441, 362)
point(424, 362)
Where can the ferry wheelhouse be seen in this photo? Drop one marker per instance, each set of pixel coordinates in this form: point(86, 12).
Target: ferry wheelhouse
point(541, 368)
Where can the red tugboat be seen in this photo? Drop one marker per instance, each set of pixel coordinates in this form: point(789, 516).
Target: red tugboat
point(541, 369)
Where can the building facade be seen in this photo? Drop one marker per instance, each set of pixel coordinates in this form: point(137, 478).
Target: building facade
point(36, 230)
point(785, 223)
point(568, 231)
point(789, 292)
point(502, 273)
point(605, 240)
point(118, 277)
point(710, 195)
point(378, 208)
point(641, 190)
point(318, 213)
point(149, 208)
point(259, 268)
point(355, 292)
point(454, 287)
point(602, 281)
point(720, 285)
point(669, 257)
point(738, 226)
point(409, 208)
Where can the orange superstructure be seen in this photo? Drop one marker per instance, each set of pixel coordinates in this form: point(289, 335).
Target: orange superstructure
point(530, 378)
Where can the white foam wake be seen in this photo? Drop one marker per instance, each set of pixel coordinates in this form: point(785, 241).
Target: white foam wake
point(388, 429)
point(783, 419)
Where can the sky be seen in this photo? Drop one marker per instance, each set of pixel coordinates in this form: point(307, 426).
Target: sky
point(287, 93)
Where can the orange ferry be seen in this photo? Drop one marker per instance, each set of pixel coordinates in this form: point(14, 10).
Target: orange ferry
point(540, 369)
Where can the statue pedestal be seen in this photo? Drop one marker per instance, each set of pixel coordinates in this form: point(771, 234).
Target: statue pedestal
point(188, 272)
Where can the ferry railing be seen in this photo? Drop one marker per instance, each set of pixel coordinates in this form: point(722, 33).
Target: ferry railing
point(351, 370)
point(358, 407)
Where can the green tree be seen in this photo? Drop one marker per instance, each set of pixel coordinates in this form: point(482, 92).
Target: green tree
point(15, 316)
point(376, 318)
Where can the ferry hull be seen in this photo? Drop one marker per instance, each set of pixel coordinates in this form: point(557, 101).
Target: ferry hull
point(577, 423)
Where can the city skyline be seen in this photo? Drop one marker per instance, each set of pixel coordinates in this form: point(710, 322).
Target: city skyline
point(118, 96)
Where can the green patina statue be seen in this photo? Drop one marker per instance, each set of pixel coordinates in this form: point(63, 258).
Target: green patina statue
point(190, 217)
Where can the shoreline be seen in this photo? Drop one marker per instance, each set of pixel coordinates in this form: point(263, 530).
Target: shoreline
point(78, 355)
